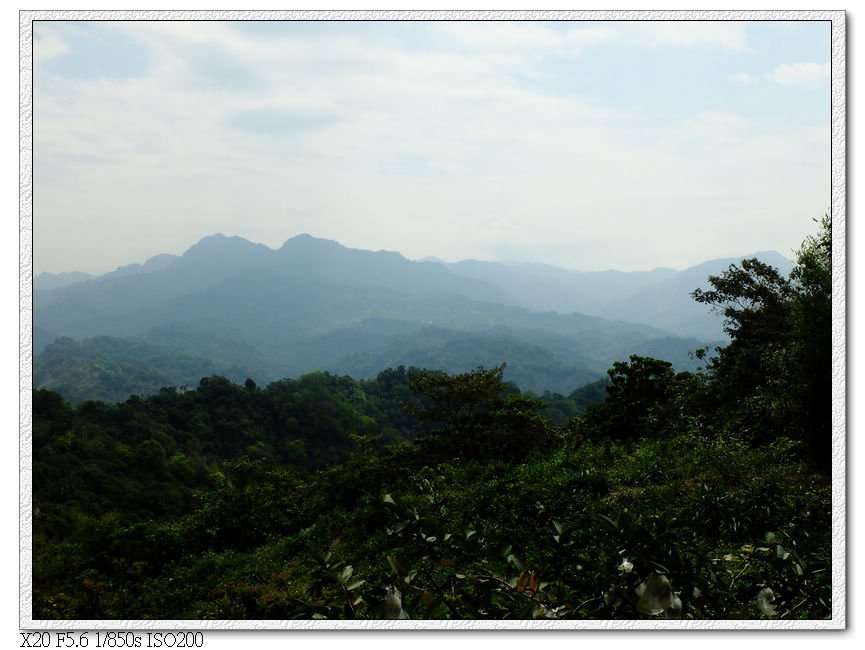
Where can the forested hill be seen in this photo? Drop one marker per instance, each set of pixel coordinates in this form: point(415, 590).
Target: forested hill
point(316, 305)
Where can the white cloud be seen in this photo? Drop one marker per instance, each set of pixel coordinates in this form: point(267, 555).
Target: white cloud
point(809, 76)
point(742, 79)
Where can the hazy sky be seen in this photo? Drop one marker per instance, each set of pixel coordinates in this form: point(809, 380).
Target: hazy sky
point(588, 145)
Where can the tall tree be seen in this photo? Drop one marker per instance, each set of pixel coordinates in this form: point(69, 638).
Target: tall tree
point(811, 351)
point(638, 402)
point(774, 378)
point(478, 415)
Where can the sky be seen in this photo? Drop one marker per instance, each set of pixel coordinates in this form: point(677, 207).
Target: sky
point(587, 145)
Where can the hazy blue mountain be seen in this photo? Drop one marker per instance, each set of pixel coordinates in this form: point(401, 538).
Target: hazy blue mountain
point(531, 366)
point(42, 337)
point(220, 268)
point(314, 304)
point(155, 263)
point(668, 304)
point(543, 287)
point(660, 297)
point(49, 281)
point(46, 283)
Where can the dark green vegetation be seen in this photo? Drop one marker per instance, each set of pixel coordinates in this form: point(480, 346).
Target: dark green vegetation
point(231, 307)
point(431, 495)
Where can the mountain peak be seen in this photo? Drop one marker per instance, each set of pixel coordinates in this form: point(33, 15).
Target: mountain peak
point(217, 238)
point(220, 243)
point(46, 281)
point(770, 257)
point(305, 240)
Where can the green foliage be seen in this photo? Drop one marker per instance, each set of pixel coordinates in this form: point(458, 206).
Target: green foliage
point(549, 536)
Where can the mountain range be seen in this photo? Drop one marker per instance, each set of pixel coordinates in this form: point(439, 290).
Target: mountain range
point(232, 306)
point(660, 297)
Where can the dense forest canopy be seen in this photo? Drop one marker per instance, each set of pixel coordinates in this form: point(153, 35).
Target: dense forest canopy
point(418, 493)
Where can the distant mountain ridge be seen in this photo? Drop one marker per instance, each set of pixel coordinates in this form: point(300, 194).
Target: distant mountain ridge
point(49, 281)
point(660, 297)
point(217, 257)
point(314, 304)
